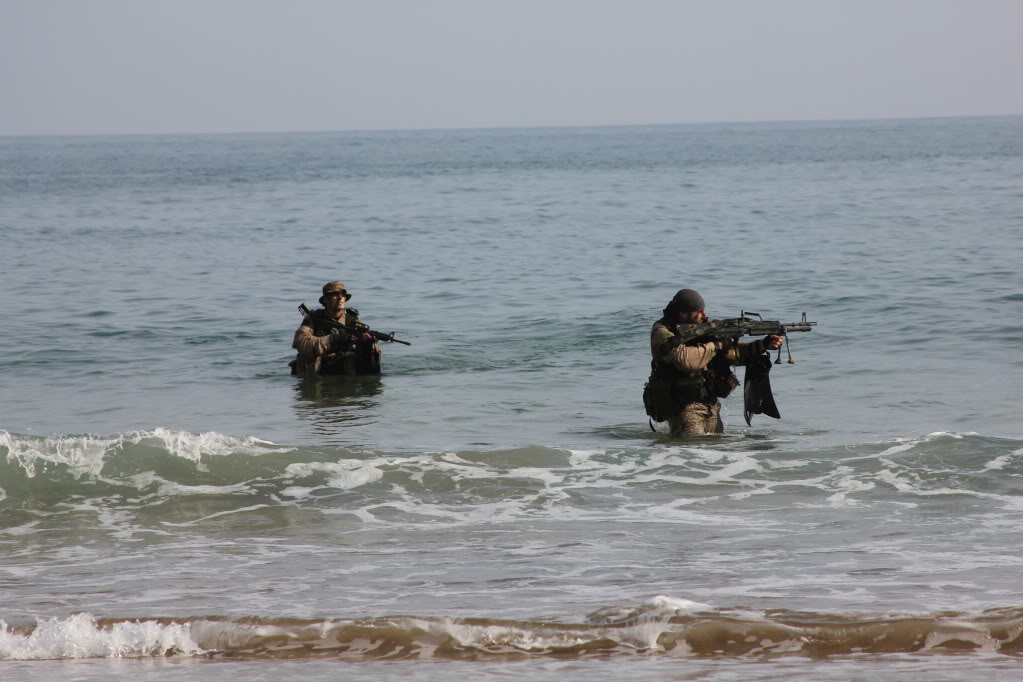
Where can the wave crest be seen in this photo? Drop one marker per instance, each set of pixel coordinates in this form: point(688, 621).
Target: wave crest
point(87, 454)
point(651, 630)
point(81, 636)
point(673, 483)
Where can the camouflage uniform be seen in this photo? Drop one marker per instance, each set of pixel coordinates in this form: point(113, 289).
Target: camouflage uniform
point(691, 377)
point(313, 341)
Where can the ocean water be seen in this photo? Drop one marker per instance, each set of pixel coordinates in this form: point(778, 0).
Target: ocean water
point(495, 505)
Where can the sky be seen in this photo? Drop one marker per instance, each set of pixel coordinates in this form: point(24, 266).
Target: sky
point(193, 66)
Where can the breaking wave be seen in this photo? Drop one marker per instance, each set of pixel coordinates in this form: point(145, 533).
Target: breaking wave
point(661, 627)
point(663, 481)
point(88, 454)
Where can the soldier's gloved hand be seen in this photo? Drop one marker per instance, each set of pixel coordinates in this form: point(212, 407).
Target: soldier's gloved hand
point(339, 343)
point(772, 341)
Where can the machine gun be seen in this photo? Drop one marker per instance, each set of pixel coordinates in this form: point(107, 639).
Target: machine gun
point(756, 386)
point(355, 330)
point(733, 328)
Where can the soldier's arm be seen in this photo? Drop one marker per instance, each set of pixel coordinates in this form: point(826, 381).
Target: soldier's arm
point(689, 358)
point(306, 343)
point(742, 353)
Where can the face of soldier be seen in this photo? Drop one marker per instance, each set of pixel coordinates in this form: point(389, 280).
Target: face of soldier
point(334, 303)
point(694, 318)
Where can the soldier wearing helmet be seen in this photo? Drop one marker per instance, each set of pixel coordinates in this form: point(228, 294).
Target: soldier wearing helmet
point(688, 378)
point(325, 348)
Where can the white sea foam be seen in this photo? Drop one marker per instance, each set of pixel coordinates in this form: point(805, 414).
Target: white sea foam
point(1000, 462)
point(194, 446)
point(344, 475)
point(80, 636)
point(643, 634)
point(85, 454)
point(584, 473)
point(903, 444)
point(981, 637)
point(672, 512)
point(81, 454)
point(24, 529)
point(297, 492)
point(174, 489)
point(229, 512)
point(498, 637)
point(674, 605)
point(847, 485)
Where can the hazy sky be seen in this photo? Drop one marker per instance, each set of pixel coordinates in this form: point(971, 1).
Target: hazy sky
point(135, 66)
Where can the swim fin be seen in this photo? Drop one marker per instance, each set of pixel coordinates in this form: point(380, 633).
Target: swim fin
point(756, 388)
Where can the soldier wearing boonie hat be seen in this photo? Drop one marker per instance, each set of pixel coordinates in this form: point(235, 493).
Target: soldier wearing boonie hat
point(323, 348)
point(687, 378)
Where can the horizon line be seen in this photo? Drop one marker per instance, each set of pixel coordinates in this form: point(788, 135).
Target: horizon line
point(509, 127)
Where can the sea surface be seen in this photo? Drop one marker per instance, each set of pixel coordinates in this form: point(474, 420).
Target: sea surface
point(175, 505)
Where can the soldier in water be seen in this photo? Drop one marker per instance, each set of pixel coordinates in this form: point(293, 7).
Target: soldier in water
point(687, 378)
point(331, 340)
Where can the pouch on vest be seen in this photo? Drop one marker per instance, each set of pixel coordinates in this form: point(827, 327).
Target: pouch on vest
point(367, 358)
point(657, 399)
point(690, 388)
point(722, 385)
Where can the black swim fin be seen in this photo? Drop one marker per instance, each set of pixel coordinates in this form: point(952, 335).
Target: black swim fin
point(756, 388)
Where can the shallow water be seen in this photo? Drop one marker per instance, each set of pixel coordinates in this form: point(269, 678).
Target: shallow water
point(495, 504)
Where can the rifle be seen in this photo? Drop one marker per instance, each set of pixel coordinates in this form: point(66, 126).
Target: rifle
point(357, 329)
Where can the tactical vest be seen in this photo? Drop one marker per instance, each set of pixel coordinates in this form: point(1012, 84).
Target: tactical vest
point(669, 389)
point(362, 358)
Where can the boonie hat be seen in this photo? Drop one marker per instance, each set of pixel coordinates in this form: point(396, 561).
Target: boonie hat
point(333, 288)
